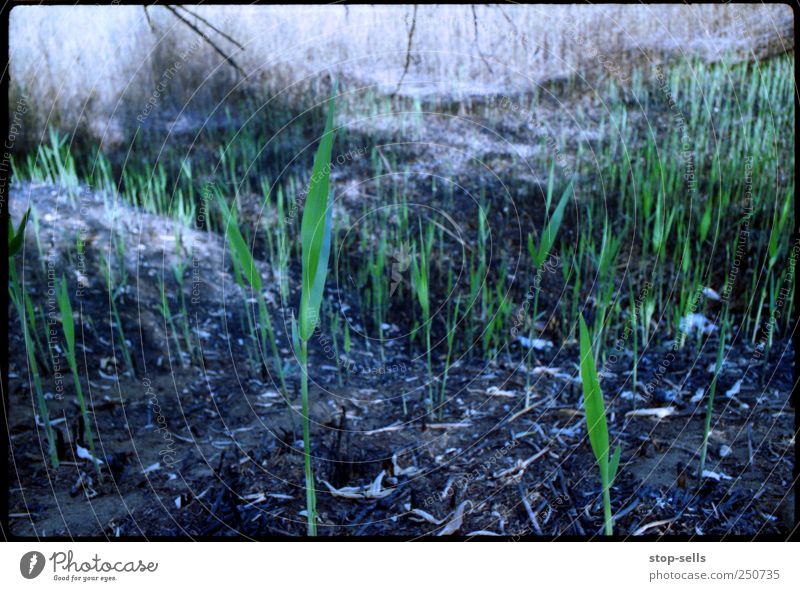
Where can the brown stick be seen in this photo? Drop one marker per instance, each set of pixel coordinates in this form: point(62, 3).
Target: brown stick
point(207, 40)
point(408, 51)
point(513, 26)
point(212, 27)
point(477, 45)
point(529, 510)
point(149, 22)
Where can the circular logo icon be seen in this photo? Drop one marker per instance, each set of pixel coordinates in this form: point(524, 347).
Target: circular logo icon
point(31, 564)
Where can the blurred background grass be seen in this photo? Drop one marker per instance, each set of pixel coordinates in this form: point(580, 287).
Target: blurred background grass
point(90, 71)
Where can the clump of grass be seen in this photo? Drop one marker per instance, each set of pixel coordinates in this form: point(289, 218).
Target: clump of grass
point(538, 255)
point(55, 163)
point(606, 272)
point(15, 241)
point(336, 322)
point(179, 272)
point(68, 326)
point(277, 235)
point(378, 290)
point(315, 235)
point(346, 343)
point(244, 262)
point(451, 324)
point(596, 424)
point(634, 331)
point(711, 392)
point(420, 273)
point(169, 321)
point(116, 291)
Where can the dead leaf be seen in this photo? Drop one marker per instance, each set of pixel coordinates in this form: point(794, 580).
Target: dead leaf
point(659, 413)
point(387, 429)
point(398, 471)
point(644, 528)
point(425, 516)
point(84, 454)
point(152, 468)
point(449, 425)
point(518, 469)
point(371, 491)
point(716, 475)
point(537, 344)
point(697, 322)
point(734, 390)
point(550, 371)
point(495, 391)
point(457, 521)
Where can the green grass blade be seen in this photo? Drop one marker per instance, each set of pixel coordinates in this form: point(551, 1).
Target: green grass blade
point(593, 400)
point(16, 239)
point(65, 308)
point(551, 230)
point(315, 232)
point(613, 465)
point(239, 247)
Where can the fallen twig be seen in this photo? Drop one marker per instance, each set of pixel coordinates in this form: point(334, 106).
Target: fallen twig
point(374, 490)
point(659, 413)
point(518, 469)
point(457, 521)
point(649, 526)
point(529, 511)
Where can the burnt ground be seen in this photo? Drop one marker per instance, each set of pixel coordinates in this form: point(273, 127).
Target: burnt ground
point(208, 448)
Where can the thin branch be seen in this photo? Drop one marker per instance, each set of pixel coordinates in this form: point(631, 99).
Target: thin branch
point(477, 44)
point(216, 48)
point(408, 50)
point(149, 22)
point(529, 510)
point(212, 27)
point(517, 34)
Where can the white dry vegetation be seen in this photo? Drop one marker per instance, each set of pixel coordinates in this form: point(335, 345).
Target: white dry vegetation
point(94, 69)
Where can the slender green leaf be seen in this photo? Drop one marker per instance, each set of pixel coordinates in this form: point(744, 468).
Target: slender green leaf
point(16, 239)
point(551, 230)
point(532, 252)
point(705, 222)
point(67, 322)
point(315, 232)
point(239, 247)
point(295, 339)
point(593, 399)
point(613, 465)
